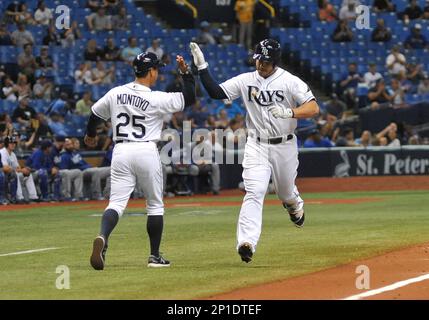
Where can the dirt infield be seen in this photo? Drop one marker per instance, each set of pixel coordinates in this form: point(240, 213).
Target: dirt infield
point(339, 282)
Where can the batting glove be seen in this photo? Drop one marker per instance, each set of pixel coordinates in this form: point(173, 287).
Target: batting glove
point(198, 56)
point(279, 112)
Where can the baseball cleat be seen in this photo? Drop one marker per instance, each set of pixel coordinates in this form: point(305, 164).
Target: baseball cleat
point(157, 262)
point(298, 220)
point(245, 252)
point(98, 256)
point(297, 216)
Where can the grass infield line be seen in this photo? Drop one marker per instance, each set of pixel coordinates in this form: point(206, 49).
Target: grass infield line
point(27, 251)
point(391, 287)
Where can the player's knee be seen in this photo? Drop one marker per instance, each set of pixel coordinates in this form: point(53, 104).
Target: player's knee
point(255, 191)
point(115, 207)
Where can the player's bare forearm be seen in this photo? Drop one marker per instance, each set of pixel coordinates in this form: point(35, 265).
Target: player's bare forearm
point(307, 110)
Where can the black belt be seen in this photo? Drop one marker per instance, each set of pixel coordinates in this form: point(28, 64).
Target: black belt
point(275, 140)
point(122, 141)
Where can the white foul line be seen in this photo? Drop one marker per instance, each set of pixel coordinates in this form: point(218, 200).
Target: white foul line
point(391, 287)
point(25, 252)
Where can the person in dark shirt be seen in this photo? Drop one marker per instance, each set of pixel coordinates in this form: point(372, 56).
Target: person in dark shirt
point(5, 38)
point(111, 51)
point(416, 40)
point(51, 37)
point(381, 32)
point(342, 32)
point(383, 6)
point(92, 52)
point(23, 113)
point(426, 11)
point(378, 95)
point(413, 11)
point(176, 85)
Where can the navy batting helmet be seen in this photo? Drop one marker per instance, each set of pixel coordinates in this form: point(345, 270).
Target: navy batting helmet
point(268, 50)
point(144, 61)
point(10, 139)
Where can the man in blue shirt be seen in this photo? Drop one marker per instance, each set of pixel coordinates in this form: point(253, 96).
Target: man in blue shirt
point(44, 171)
point(60, 106)
point(416, 40)
point(231, 108)
point(315, 140)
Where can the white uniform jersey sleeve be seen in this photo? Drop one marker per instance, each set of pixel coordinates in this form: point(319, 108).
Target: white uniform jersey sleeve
point(300, 91)
point(102, 107)
point(168, 102)
point(233, 87)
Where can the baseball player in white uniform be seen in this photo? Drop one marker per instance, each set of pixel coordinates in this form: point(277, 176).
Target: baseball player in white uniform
point(136, 114)
point(274, 100)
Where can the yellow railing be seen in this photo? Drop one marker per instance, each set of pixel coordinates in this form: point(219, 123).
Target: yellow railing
point(269, 7)
point(190, 6)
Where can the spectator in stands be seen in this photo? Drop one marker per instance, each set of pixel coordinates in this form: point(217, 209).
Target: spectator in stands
point(222, 120)
point(416, 40)
point(413, 11)
point(72, 159)
point(21, 36)
point(349, 85)
point(56, 124)
point(111, 51)
point(415, 73)
point(210, 122)
point(98, 21)
point(381, 33)
point(372, 76)
point(396, 93)
point(51, 37)
point(42, 127)
point(155, 48)
point(348, 12)
point(94, 5)
point(120, 21)
point(6, 125)
point(197, 114)
point(9, 89)
point(423, 87)
point(129, 53)
point(327, 11)
point(83, 106)
point(378, 95)
point(245, 10)
point(83, 74)
point(23, 112)
point(44, 62)
point(342, 32)
point(12, 12)
point(396, 62)
point(23, 174)
point(365, 139)
point(315, 140)
point(24, 15)
point(176, 85)
point(346, 138)
point(426, 11)
point(383, 6)
point(43, 16)
point(177, 120)
point(69, 36)
point(205, 36)
point(335, 108)
point(43, 88)
point(23, 87)
point(231, 107)
point(102, 76)
point(92, 52)
point(5, 36)
point(44, 172)
point(27, 62)
point(391, 133)
point(60, 106)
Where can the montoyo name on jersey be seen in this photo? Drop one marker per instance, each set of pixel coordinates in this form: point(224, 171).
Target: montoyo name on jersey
point(264, 98)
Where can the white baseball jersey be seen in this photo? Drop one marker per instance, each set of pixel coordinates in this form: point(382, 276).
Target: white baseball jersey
point(9, 159)
point(136, 112)
point(281, 88)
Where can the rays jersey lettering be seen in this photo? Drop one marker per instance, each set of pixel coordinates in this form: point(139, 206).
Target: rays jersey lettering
point(281, 88)
point(136, 112)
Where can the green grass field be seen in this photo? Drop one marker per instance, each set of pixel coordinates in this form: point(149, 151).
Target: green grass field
point(200, 242)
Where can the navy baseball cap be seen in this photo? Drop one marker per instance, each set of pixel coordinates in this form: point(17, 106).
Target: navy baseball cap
point(144, 61)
